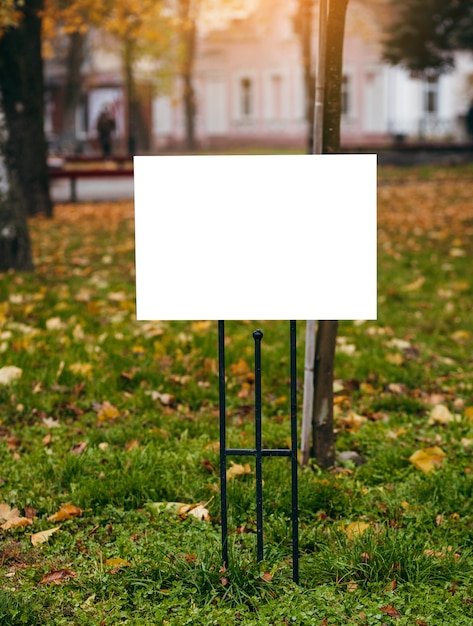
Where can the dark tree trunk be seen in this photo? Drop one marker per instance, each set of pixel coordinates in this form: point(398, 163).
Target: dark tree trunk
point(188, 40)
point(323, 431)
point(15, 248)
point(138, 135)
point(333, 76)
point(323, 436)
point(21, 84)
point(73, 89)
point(305, 30)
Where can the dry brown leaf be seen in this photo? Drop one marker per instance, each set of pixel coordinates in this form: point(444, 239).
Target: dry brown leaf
point(352, 422)
point(56, 577)
point(16, 522)
point(6, 511)
point(390, 610)
point(237, 469)
point(43, 536)
point(79, 448)
point(267, 577)
point(68, 511)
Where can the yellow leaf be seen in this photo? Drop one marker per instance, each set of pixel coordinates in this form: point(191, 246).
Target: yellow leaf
point(81, 369)
point(107, 411)
point(117, 562)
point(240, 369)
point(68, 511)
point(395, 358)
point(200, 326)
point(415, 285)
point(428, 459)
point(468, 412)
point(440, 415)
point(43, 535)
point(237, 469)
point(461, 336)
point(356, 529)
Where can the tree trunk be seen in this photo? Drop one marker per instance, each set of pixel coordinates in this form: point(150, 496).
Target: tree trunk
point(306, 22)
point(322, 431)
point(333, 76)
point(188, 40)
point(21, 84)
point(138, 134)
point(73, 89)
point(323, 443)
point(15, 248)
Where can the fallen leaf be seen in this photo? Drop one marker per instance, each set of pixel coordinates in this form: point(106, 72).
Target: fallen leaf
point(57, 576)
point(395, 358)
point(352, 586)
point(241, 369)
point(79, 448)
point(267, 577)
point(107, 411)
point(352, 422)
point(237, 469)
point(427, 459)
point(81, 369)
point(182, 509)
point(440, 415)
point(461, 336)
point(415, 285)
point(50, 422)
point(200, 326)
point(30, 512)
point(6, 511)
point(16, 522)
point(166, 399)
point(55, 323)
point(43, 535)
point(9, 373)
point(68, 511)
point(117, 562)
point(468, 412)
point(390, 610)
point(356, 529)
point(206, 464)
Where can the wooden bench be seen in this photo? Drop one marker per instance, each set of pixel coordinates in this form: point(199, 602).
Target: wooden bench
point(75, 173)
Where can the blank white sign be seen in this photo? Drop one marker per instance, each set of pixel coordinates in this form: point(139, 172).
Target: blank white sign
point(255, 237)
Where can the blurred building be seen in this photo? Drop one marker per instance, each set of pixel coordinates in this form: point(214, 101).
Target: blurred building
point(249, 89)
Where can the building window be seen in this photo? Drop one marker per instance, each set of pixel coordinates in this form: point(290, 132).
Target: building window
point(246, 89)
point(346, 96)
point(431, 95)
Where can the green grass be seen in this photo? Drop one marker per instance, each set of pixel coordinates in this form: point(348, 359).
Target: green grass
point(71, 328)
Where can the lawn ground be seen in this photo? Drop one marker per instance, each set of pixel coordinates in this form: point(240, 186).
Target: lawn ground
point(104, 416)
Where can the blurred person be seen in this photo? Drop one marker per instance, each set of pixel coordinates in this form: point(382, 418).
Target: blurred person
point(105, 127)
